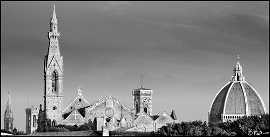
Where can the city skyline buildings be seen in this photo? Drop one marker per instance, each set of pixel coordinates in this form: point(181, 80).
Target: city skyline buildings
point(103, 45)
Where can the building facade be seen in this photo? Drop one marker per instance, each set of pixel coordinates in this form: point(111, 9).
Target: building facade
point(31, 119)
point(109, 112)
point(53, 75)
point(236, 99)
point(8, 117)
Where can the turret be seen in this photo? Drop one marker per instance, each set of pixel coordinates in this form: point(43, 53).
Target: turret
point(237, 75)
point(8, 117)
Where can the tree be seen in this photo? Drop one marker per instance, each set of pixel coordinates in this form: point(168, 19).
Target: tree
point(14, 131)
point(43, 122)
point(84, 127)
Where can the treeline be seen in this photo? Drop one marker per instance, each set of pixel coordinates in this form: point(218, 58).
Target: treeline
point(63, 128)
point(251, 125)
point(14, 132)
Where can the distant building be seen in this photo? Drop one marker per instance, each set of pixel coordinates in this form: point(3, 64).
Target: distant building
point(31, 119)
point(108, 112)
point(8, 117)
point(236, 99)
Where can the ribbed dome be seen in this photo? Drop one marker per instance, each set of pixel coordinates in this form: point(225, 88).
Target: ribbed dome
point(235, 99)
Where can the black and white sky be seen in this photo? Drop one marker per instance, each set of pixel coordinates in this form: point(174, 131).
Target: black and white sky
point(186, 51)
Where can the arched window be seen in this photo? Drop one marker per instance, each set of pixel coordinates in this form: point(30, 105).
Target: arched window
point(54, 82)
point(54, 123)
point(29, 121)
point(145, 110)
point(34, 120)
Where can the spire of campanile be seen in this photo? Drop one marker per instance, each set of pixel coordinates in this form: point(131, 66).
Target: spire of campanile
point(53, 74)
point(238, 76)
point(53, 35)
point(8, 107)
point(54, 19)
point(8, 117)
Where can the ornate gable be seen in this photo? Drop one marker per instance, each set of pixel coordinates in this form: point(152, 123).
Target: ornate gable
point(110, 109)
point(54, 64)
point(164, 118)
point(144, 121)
point(78, 103)
point(75, 118)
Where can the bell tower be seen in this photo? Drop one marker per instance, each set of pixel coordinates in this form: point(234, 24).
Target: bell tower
point(53, 74)
point(8, 117)
point(142, 99)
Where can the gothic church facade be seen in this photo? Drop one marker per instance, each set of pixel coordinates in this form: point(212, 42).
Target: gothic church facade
point(108, 112)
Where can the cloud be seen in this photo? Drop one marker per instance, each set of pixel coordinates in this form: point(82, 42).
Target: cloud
point(220, 33)
point(109, 5)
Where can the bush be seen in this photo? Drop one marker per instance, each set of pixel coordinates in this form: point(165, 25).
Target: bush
point(58, 129)
point(130, 133)
point(6, 131)
point(72, 128)
point(84, 127)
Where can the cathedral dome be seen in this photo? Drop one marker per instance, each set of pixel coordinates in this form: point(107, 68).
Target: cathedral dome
point(236, 99)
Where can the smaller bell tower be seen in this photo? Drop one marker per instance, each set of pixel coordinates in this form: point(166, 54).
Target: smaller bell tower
point(8, 117)
point(142, 99)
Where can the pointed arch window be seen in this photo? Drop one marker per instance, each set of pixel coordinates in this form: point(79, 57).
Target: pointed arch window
point(54, 82)
point(34, 120)
point(145, 110)
point(54, 123)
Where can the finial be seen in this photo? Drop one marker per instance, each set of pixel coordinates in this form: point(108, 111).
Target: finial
point(9, 98)
point(54, 15)
point(238, 76)
point(53, 8)
point(141, 80)
point(79, 91)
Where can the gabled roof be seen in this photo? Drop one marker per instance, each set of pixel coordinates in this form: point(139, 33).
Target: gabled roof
point(97, 103)
point(83, 104)
point(135, 128)
point(164, 117)
point(154, 117)
point(142, 116)
point(72, 115)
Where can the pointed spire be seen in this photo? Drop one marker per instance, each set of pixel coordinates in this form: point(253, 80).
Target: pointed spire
point(8, 111)
point(141, 80)
point(238, 76)
point(54, 20)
